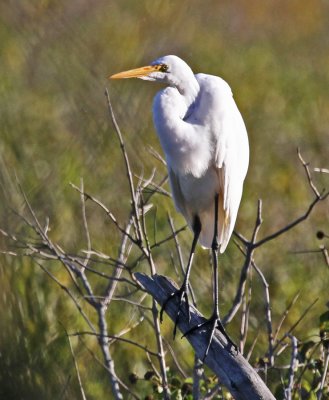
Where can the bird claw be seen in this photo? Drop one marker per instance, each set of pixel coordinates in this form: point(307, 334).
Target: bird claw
point(182, 295)
point(215, 322)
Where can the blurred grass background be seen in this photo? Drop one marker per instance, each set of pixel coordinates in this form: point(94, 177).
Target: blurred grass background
point(55, 129)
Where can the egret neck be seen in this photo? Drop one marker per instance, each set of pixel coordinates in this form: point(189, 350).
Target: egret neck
point(189, 88)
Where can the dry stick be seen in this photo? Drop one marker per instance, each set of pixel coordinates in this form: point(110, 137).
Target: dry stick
point(92, 353)
point(252, 245)
point(134, 303)
point(325, 254)
point(121, 260)
point(153, 246)
point(102, 307)
point(107, 211)
point(99, 307)
point(294, 325)
point(156, 323)
point(268, 315)
point(169, 237)
point(318, 197)
point(43, 255)
point(157, 188)
point(128, 328)
point(58, 252)
point(245, 319)
point(253, 344)
point(293, 366)
point(115, 338)
point(103, 342)
point(179, 253)
point(66, 385)
point(146, 250)
point(284, 316)
point(177, 244)
point(154, 369)
point(53, 277)
point(85, 223)
point(76, 367)
point(156, 155)
point(68, 292)
point(324, 376)
point(305, 368)
point(198, 365)
point(211, 393)
point(173, 355)
point(197, 376)
point(322, 170)
point(127, 165)
point(230, 366)
point(244, 271)
point(308, 174)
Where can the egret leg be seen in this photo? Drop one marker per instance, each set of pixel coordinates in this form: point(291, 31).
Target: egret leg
point(214, 321)
point(182, 293)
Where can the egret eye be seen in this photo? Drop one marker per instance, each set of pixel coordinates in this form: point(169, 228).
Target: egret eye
point(163, 68)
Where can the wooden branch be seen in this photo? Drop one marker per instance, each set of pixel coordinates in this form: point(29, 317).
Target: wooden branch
point(230, 366)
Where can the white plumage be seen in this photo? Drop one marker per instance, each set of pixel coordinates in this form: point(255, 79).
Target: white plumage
point(205, 142)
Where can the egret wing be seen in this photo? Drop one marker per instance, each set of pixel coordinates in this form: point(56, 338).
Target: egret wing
point(177, 193)
point(232, 156)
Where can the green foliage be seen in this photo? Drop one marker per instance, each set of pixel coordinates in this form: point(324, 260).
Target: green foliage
point(54, 129)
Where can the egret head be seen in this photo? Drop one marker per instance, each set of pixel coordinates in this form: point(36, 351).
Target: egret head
point(167, 69)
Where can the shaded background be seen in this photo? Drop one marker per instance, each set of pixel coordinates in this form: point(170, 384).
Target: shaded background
point(55, 129)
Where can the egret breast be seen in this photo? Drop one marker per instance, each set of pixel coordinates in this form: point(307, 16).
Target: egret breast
point(199, 193)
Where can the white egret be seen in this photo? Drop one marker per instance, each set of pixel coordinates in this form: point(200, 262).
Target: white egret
point(206, 146)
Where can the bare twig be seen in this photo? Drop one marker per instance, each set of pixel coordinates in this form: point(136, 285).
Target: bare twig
point(268, 316)
point(76, 367)
point(197, 376)
point(69, 293)
point(245, 268)
point(127, 165)
point(325, 253)
point(121, 383)
point(308, 174)
point(318, 197)
point(109, 363)
point(175, 359)
point(324, 376)
point(114, 338)
point(107, 211)
point(142, 241)
point(294, 325)
point(85, 222)
point(292, 369)
point(285, 314)
point(322, 170)
point(179, 254)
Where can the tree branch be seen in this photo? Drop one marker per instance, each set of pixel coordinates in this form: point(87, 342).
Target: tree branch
point(232, 368)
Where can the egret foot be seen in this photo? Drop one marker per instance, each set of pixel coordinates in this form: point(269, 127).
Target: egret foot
point(214, 322)
point(183, 300)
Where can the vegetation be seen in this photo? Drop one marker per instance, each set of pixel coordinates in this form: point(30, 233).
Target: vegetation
point(55, 129)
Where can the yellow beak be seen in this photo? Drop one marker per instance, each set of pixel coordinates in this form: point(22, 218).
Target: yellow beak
point(135, 73)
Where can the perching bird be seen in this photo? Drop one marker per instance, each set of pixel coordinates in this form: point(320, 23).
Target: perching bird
point(206, 146)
